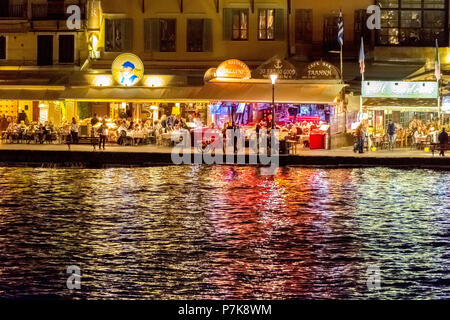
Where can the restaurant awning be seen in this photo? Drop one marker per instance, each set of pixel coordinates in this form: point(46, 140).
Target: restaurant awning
point(42, 95)
point(134, 94)
point(262, 92)
point(419, 105)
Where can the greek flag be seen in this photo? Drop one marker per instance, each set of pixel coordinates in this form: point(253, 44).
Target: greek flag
point(437, 63)
point(341, 29)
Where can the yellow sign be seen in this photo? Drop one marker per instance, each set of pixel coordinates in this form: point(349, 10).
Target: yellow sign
point(233, 69)
point(127, 69)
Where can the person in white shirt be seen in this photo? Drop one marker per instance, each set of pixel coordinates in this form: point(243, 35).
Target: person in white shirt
point(74, 130)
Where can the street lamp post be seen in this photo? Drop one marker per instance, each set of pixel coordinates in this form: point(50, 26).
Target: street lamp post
point(274, 78)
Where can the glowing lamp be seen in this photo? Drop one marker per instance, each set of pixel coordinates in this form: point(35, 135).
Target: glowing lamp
point(426, 149)
point(374, 149)
point(102, 81)
point(154, 81)
point(274, 78)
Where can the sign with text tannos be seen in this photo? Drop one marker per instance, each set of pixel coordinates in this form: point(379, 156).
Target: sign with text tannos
point(401, 89)
point(321, 70)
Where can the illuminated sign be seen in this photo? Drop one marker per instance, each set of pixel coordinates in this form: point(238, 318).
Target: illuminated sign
point(127, 69)
point(402, 89)
point(233, 69)
point(282, 68)
point(446, 105)
point(321, 70)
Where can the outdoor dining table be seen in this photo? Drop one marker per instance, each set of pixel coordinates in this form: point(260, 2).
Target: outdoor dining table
point(303, 138)
point(166, 138)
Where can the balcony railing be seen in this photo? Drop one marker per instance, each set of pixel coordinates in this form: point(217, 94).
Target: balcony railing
point(46, 12)
point(13, 11)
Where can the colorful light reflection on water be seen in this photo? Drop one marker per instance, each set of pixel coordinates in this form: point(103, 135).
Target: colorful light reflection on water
point(197, 232)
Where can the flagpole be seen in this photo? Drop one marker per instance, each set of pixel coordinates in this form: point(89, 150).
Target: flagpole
point(362, 67)
point(437, 71)
point(361, 96)
point(439, 104)
point(342, 67)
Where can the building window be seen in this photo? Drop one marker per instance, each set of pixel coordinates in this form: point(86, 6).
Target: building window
point(413, 22)
point(168, 28)
point(303, 26)
point(240, 24)
point(45, 50)
point(330, 33)
point(360, 27)
point(199, 35)
point(266, 24)
point(66, 48)
point(2, 48)
point(118, 35)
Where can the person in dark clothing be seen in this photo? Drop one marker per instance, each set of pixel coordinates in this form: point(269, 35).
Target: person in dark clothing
point(392, 134)
point(102, 135)
point(94, 121)
point(22, 117)
point(443, 141)
point(3, 123)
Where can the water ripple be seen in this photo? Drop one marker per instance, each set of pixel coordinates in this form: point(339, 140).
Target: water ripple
point(197, 232)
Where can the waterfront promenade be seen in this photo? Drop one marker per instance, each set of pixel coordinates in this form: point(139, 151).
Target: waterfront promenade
point(84, 156)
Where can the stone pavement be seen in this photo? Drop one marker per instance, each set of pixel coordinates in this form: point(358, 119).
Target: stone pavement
point(342, 152)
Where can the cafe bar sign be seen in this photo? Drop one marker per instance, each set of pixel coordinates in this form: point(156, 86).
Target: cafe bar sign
point(400, 89)
point(320, 70)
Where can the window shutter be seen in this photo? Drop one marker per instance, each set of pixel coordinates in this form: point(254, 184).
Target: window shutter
point(279, 24)
point(2, 47)
point(148, 35)
point(108, 35)
point(207, 35)
point(154, 34)
point(227, 21)
point(127, 31)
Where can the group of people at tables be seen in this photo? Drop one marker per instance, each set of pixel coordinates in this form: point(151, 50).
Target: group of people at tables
point(14, 129)
point(417, 134)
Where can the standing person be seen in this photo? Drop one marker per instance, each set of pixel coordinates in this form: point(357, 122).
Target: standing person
point(359, 133)
point(94, 121)
point(74, 127)
point(3, 123)
point(257, 129)
point(22, 117)
point(164, 122)
point(102, 134)
point(443, 141)
point(392, 134)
